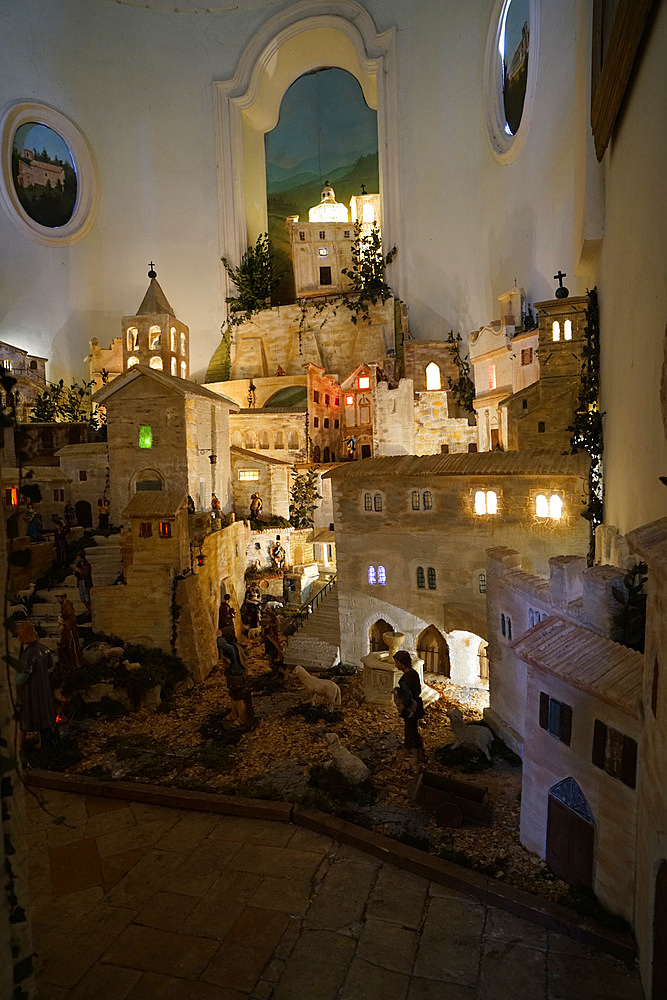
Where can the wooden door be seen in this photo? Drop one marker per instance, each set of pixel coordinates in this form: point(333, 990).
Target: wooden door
point(660, 934)
point(570, 844)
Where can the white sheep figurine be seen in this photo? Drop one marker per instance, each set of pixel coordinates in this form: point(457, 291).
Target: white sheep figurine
point(319, 687)
point(477, 737)
point(347, 763)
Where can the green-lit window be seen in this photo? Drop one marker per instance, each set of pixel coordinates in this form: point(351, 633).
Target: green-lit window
point(145, 436)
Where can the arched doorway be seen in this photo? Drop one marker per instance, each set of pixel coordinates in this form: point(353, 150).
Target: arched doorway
point(570, 834)
point(660, 934)
point(84, 513)
point(375, 633)
point(433, 650)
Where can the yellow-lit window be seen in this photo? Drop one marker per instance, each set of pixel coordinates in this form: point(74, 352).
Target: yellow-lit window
point(156, 363)
point(174, 367)
point(486, 502)
point(133, 339)
point(184, 370)
point(541, 505)
point(364, 382)
point(245, 475)
point(492, 376)
point(154, 338)
point(555, 330)
point(433, 376)
point(349, 400)
point(11, 496)
point(132, 361)
point(182, 343)
point(172, 339)
point(367, 212)
point(567, 329)
point(555, 507)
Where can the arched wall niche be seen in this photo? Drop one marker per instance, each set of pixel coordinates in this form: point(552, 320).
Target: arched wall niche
point(312, 34)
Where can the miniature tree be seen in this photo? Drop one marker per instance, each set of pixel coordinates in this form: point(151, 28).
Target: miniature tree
point(64, 405)
point(463, 387)
point(303, 498)
point(255, 279)
point(367, 272)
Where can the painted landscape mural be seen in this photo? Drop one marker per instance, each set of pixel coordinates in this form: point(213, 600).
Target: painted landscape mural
point(516, 45)
point(326, 131)
point(44, 175)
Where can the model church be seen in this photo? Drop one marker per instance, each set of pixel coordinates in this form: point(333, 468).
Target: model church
point(353, 339)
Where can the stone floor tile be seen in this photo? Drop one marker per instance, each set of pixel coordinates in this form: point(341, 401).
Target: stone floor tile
point(308, 840)
point(289, 939)
point(218, 910)
point(238, 829)
point(563, 944)
point(398, 896)
point(157, 987)
point(167, 911)
point(106, 982)
point(203, 867)
point(449, 948)
point(280, 861)
point(66, 911)
point(274, 970)
point(141, 835)
point(316, 968)
point(509, 969)
point(186, 834)
point(345, 852)
point(84, 945)
point(96, 804)
point(598, 977)
point(368, 982)
point(289, 895)
point(149, 875)
point(152, 950)
point(507, 927)
point(388, 945)
point(144, 812)
point(47, 991)
point(117, 865)
point(445, 892)
point(75, 866)
point(431, 989)
point(342, 896)
point(107, 822)
point(246, 948)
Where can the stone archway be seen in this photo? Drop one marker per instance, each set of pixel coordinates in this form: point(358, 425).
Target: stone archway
point(375, 633)
point(433, 650)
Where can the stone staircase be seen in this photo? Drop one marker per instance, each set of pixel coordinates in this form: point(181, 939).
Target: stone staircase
point(316, 646)
point(105, 559)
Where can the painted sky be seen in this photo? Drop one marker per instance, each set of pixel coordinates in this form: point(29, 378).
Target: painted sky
point(324, 124)
point(517, 15)
point(39, 137)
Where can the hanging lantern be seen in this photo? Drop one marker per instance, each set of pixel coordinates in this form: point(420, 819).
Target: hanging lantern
point(201, 558)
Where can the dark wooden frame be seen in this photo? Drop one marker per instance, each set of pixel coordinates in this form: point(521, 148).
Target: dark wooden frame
point(611, 70)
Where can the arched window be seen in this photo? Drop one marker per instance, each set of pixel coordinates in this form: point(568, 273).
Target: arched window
point(555, 506)
point(132, 339)
point(531, 618)
point(156, 363)
point(316, 453)
point(503, 626)
point(326, 455)
point(182, 343)
point(8, 364)
point(293, 443)
point(368, 501)
point(486, 502)
point(428, 500)
point(541, 505)
point(132, 361)
point(154, 338)
point(184, 370)
point(174, 367)
point(172, 339)
point(431, 578)
point(237, 439)
point(567, 329)
point(421, 582)
point(415, 499)
point(481, 582)
point(382, 575)
point(371, 575)
point(555, 330)
point(264, 440)
point(279, 441)
point(433, 380)
point(377, 501)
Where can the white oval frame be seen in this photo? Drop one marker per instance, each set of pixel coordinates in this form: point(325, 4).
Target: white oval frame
point(87, 192)
point(506, 147)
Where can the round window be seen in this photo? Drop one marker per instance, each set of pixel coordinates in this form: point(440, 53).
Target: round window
point(510, 74)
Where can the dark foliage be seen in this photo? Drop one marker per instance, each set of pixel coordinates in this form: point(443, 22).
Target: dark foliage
point(316, 713)
point(631, 619)
point(326, 778)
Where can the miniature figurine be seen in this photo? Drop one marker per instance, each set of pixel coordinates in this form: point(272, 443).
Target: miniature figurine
point(409, 703)
point(215, 507)
point(319, 687)
point(33, 520)
point(236, 675)
point(278, 554)
point(38, 707)
point(103, 506)
point(351, 445)
point(60, 541)
point(347, 763)
point(70, 515)
point(191, 505)
point(256, 506)
point(273, 642)
point(476, 737)
point(69, 650)
point(251, 609)
point(83, 572)
point(226, 616)
point(279, 370)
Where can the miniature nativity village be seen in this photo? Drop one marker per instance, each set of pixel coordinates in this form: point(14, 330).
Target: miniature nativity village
point(344, 529)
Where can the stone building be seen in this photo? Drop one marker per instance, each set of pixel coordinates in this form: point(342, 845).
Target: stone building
point(29, 370)
point(108, 360)
point(154, 337)
point(321, 248)
point(86, 469)
point(412, 533)
point(357, 415)
point(324, 415)
point(263, 474)
point(165, 433)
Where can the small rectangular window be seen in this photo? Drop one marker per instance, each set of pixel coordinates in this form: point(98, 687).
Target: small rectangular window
point(11, 496)
point(302, 236)
point(325, 275)
point(326, 421)
point(492, 376)
point(145, 436)
point(245, 475)
point(336, 400)
point(316, 421)
point(364, 382)
point(59, 495)
point(145, 529)
point(349, 400)
point(346, 234)
point(541, 427)
point(323, 252)
point(481, 583)
point(316, 396)
point(83, 476)
point(336, 423)
point(322, 234)
point(165, 529)
point(327, 400)
point(368, 501)
point(556, 717)
point(614, 753)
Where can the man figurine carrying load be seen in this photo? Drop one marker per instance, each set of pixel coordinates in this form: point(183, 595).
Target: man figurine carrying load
point(256, 506)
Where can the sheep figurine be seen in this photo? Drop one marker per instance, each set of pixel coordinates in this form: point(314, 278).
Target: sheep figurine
point(347, 763)
point(319, 687)
point(475, 737)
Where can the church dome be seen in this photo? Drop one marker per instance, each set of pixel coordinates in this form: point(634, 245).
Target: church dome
point(328, 210)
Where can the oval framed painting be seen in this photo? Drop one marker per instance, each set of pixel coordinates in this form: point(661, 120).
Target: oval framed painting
point(49, 184)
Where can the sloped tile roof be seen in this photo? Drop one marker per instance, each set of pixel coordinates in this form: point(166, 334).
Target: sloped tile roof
point(172, 382)
point(256, 456)
point(483, 463)
point(154, 301)
point(155, 503)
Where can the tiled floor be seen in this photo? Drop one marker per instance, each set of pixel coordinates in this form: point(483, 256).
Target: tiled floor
point(135, 902)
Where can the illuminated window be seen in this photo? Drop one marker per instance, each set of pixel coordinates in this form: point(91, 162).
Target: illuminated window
point(172, 339)
point(371, 576)
point(174, 366)
point(555, 330)
point(364, 382)
point(184, 370)
point(11, 496)
point(377, 501)
point(415, 499)
point(368, 501)
point(154, 338)
point(323, 252)
point(165, 529)
point(336, 401)
point(382, 576)
point(486, 502)
point(567, 329)
point(555, 507)
point(157, 364)
point(349, 400)
point(433, 376)
point(427, 500)
point(367, 212)
point(132, 339)
point(245, 475)
point(132, 361)
point(145, 529)
point(421, 580)
point(182, 343)
point(492, 376)
point(145, 436)
point(431, 578)
point(541, 505)
point(8, 364)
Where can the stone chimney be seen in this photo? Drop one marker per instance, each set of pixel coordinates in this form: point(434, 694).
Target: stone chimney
point(566, 578)
point(600, 605)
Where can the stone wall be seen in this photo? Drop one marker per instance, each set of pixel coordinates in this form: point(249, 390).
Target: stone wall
point(93, 460)
point(435, 430)
point(272, 486)
point(207, 430)
point(544, 420)
point(394, 419)
point(281, 433)
point(417, 354)
point(196, 633)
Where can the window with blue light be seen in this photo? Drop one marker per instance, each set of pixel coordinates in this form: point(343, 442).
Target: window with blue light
point(382, 576)
point(371, 576)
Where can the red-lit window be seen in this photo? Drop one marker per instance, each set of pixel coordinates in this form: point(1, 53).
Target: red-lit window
point(349, 400)
point(11, 496)
point(165, 529)
point(492, 376)
point(364, 382)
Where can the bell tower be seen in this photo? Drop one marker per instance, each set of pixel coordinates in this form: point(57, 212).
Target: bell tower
point(154, 337)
